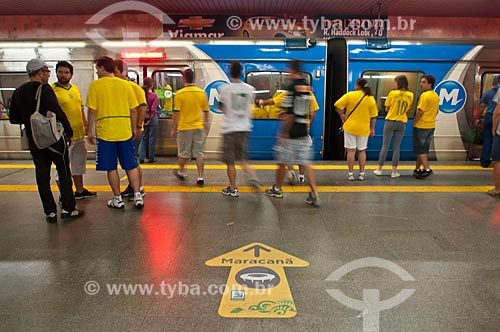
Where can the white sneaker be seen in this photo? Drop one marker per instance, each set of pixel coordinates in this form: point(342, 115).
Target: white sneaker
point(361, 177)
point(138, 201)
point(395, 175)
point(350, 177)
point(302, 179)
point(377, 172)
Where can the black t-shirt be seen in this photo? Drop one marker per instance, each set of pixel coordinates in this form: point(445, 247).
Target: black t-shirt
point(297, 102)
point(23, 105)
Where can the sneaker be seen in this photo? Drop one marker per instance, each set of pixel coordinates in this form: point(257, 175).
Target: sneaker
point(200, 183)
point(291, 178)
point(113, 203)
point(230, 192)
point(417, 173)
point(302, 178)
point(273, 192)
point(493, 193)
point(312, 200)
point(395, 175)
point(350, 177)
point(138, 202)
point(425, 173)
point(51, 218)
point(377, 172)
point(362, 177)
point(85, 194)
point(129, 192)
point(71, 215)
point(179, 175)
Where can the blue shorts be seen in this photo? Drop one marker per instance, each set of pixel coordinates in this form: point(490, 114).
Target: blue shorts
point(107, 154)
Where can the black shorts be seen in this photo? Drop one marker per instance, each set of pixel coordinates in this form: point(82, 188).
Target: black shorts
point(495, 151)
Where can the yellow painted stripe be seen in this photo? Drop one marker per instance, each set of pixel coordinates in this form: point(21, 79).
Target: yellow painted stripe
point(286, 189)
point(273, 167)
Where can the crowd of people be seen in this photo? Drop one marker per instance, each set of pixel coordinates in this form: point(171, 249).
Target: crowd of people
point(122, 122)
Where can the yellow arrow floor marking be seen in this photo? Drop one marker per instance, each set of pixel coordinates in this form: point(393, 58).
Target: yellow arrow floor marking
point(257, 286)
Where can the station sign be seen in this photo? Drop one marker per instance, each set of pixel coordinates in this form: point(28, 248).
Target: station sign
point(257, 286)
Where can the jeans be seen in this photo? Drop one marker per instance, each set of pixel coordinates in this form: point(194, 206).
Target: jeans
point(488, 140)
point(43, 160)
point(149, 140)
point(398, 129)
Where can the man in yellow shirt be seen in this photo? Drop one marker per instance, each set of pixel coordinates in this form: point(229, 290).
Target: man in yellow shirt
point(112, 112)
point(424, 124)
point(121, 71)
point(70, 100)
point(189, 127)
point(358, 124)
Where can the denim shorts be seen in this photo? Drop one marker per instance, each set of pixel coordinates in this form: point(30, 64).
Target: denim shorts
point(422, 139)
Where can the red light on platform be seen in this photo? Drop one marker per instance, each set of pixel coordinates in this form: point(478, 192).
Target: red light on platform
point(153, 55)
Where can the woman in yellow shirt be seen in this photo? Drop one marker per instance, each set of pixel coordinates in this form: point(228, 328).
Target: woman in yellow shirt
point(398, 103)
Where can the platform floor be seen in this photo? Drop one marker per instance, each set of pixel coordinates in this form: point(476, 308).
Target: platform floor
point(444, 231)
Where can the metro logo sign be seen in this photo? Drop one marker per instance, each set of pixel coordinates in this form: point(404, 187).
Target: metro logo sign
point(452, 96)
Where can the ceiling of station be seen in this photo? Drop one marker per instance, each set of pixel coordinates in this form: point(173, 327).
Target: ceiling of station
point(428, 8)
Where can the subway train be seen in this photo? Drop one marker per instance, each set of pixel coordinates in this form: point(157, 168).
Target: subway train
point(463, 71)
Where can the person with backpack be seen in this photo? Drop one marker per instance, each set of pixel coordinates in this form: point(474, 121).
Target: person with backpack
point(22, 107)
point(150, 123)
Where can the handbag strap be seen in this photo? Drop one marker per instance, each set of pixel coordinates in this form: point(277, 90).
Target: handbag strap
point(359, 102)
point(38, 97)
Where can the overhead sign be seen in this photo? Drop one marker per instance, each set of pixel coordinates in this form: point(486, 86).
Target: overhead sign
point(257, 286)
point(270, 26)
point(452, 96)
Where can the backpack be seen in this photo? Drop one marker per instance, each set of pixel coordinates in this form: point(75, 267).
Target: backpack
point(46, 130)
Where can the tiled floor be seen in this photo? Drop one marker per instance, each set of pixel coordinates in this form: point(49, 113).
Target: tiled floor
point(447, 239)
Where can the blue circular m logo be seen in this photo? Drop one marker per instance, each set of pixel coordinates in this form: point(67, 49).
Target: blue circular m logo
point(452, 96)
point(212, 91)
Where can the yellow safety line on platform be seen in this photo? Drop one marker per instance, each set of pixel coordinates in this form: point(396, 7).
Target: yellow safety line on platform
point(286, 189)
point(273, 167)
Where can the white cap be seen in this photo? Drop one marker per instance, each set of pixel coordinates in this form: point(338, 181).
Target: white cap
point(35, 64)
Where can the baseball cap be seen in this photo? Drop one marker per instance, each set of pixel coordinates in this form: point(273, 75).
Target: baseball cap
point(35, 64)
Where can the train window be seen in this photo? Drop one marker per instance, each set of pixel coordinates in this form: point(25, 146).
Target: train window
point(382, 82)
point(487, 82)
point(167, 82)
point(8, 84)
point(270, 84)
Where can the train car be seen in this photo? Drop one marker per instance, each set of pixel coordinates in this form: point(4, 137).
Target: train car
point(462, 70)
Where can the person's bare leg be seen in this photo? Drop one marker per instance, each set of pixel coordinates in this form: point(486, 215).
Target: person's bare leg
point(200, 165)
point(362, 160)
point(114, 182)
point(351, 156)
point(231, 174)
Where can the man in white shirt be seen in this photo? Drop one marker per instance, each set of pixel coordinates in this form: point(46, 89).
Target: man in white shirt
point(236, 102)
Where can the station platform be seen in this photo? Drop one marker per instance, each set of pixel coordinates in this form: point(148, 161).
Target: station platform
point(379, 255)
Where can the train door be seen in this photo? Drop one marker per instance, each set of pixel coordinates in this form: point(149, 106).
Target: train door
point(167, 81)
point(336, 86)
